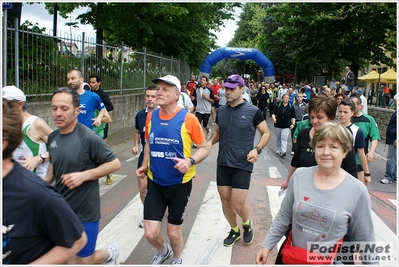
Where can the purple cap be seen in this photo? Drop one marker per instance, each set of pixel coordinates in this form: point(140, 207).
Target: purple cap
point(233, 80)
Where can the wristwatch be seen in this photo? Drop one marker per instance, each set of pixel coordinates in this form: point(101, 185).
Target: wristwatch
point(367, 174)
point(192, 160)
point(43, 157)
point(258, 149)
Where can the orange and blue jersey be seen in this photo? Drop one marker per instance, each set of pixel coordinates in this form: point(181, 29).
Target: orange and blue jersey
point(170, 137)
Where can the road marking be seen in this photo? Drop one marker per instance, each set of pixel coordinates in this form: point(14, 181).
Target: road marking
point(275, 203)
point(132, 158)
point(204, 244)
point(124, 229)
point(274, 173)
point(105, 187)
point(394, 201)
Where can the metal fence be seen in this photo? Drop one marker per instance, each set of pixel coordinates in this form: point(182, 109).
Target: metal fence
point(38, 63)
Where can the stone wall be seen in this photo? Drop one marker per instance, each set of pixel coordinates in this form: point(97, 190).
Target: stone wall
point(381, 116)
point(126, 107)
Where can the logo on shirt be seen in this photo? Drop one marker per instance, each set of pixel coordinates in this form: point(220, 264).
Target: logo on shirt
point(53, 144)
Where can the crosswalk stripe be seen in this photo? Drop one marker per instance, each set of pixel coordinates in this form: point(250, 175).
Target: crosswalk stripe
point(123, 229)
point(274, 173)
point(104, 188)
point(206, 247)
point(275, 203)
point(394, 201)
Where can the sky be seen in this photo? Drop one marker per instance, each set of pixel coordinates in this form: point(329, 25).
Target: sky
point(36, 13)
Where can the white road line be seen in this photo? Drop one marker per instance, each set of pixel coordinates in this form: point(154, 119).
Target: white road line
point(132, 158)
point(274, 173)
point(204, 245)
point(275, 203)
point(104, 187)
point(124, 229)
point(394, 201)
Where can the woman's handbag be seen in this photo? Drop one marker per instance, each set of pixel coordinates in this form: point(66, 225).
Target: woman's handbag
point(296, 255)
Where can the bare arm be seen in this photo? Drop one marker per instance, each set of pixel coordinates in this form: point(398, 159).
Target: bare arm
point(141, 171)
point(264, 139)
point(60, 255)
point(290, 172)
point(365, 166)
point(50, 174)
point(106, 118)
point(215, 136)
point(75, 179)
point(136, 138)
point(97, 121)
point(370, 154)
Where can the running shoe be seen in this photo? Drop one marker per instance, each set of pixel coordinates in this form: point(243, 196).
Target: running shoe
point(292, 152)
point(114, 251)
point(141, 224)
point(232, 238)
point(248, 234)
point(386, 181)
point(110, 179)
point(176, 262)
point(159, 258)
point(283, 154)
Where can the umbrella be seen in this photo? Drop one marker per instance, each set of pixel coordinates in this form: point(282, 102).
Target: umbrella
point(371, 77)
point(389, 77)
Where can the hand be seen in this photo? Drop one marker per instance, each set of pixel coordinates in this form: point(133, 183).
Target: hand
point(394, 143)
point(252, 156)
point(30, 163)
point(284, 185)
point(96, 121)
point(367, 180)
point(141, 172)
point(182, 165)
point(73, 179)
point(261, 256)
point(135, 150)
point(370, 157)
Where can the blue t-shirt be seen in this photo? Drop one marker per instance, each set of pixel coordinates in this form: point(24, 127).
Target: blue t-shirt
point(140, 126)
point(89, 102)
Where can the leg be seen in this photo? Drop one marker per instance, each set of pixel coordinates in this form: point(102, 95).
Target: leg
point(285, 132)
point(176, 239)
point(390, 170)
point(238, 198)
point(152, 231)
point(225, 193)
point(278, 140)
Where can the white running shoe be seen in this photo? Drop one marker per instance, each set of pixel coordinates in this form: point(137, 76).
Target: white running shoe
point(159, 258)
point(114, 251)
point(141, 224)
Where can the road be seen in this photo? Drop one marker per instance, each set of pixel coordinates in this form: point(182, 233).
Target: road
point(205, 226)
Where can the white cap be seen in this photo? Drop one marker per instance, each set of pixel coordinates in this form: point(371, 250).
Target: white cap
point(12, 92)
point(170, 79)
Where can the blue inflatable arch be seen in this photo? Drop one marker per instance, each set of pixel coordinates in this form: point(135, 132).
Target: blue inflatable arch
point(238, 53)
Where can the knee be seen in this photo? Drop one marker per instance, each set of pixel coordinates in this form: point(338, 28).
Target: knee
point(151, 235)
point(174, 234)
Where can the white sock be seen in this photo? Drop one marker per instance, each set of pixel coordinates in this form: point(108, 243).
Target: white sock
point(164, 250)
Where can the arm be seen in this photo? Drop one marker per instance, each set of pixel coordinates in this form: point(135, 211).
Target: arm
point(136, 138)
point(106, 118)
point(75, 179)
point(60, 255)
point(97, 121)
point(264, 139)
point(42, 130)
point(141, 171)
point(215, 136)
point(365, 166)
point(289, 175)
point(203, 150)
point(50, 174)
point(370, 154)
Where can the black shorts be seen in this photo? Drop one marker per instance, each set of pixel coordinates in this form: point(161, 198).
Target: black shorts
point(236, 178)
point(203, 117)
point(215, 104)
point(175, 198)
point(359, 168)
point(105, 131)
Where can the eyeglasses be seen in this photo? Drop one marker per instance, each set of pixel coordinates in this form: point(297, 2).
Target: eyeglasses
point(234, 80)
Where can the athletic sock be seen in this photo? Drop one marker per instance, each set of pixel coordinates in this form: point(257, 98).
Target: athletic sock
point(179, 260)
point(164, 250)
point(236, 229)
point(246, 223)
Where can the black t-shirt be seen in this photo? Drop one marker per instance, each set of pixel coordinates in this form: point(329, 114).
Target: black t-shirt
point(80, 150)
point(304, 155)
point(35, 218)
